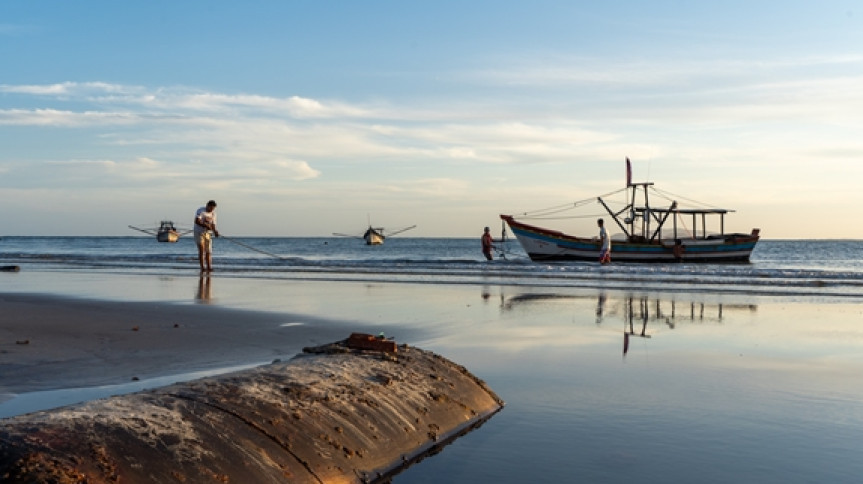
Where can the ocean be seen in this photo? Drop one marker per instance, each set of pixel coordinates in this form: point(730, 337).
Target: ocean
point(822, 268)
point(709, 373)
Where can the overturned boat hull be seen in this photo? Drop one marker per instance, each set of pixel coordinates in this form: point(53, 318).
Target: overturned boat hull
point(357, 411)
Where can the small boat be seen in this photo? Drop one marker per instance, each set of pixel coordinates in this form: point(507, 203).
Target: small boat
point(166, 232)
point(375, 235)
point(650, 234)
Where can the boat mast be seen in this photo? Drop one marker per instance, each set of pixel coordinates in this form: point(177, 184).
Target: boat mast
point(644, 210)
point(669, 211)
point(645, 225)
point(614, 216)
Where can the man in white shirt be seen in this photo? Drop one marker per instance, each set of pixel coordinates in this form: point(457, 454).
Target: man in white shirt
point(205, 222)
point(605, 249)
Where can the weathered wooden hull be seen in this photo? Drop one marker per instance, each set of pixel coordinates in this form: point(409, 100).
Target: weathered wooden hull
point(339, 415)
point(550, 245)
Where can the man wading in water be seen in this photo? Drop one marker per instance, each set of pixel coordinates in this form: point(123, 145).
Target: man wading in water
point(205, 221)
point(487, 244)
point(605, 248)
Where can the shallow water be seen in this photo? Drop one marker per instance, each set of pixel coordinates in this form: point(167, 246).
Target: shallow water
point(605, 381)
point(805, 268)
point(13, 404)
point(752, 391)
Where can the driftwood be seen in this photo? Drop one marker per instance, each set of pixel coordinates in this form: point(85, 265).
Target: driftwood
point(332, 414)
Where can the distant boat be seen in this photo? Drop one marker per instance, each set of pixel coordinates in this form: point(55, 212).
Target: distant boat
point(650, 234)
point(376, 235)
point(166, 232)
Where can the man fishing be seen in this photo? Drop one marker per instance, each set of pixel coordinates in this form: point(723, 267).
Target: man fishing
point(205, 222)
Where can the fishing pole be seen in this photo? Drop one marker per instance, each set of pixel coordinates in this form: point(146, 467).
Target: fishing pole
point(250, 247)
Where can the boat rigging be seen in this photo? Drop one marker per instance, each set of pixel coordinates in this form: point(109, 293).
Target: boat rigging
point(650, 234)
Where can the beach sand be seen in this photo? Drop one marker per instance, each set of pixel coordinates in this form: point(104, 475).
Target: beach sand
point(51, 342)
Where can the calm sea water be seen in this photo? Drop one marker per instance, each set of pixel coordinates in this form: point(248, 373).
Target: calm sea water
point(802, 267)
point(612, 374)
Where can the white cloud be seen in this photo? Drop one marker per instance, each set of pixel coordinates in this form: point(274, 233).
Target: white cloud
point(70, 89)
point(187, 100)
point(297, 170)
point(73, 119)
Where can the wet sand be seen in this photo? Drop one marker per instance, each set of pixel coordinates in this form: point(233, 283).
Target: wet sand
point(51, 342)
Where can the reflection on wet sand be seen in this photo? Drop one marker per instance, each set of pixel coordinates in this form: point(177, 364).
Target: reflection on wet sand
point(637, 311)
point(486, 295)
point(204, 293)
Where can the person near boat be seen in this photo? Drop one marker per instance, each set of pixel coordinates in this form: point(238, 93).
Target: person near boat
point(487, 244)
point(605, 249)
point(205, 222)
point(678, 250)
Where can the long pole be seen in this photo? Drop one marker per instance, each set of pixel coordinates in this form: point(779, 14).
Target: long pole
point(503, 239)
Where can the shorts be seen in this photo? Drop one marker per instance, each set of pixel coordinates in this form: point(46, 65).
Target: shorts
point(204, 240)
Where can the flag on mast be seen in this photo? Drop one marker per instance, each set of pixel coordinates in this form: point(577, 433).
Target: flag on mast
point(628, 172)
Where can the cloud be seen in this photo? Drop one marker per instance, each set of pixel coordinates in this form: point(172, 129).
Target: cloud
point(297, 170)
point(188, 100)
point(545, 149)
point(70, 119)
point(86, 90)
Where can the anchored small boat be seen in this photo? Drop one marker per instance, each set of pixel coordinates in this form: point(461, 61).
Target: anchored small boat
point(650, 234)
point(166, 232)
point(376, 235)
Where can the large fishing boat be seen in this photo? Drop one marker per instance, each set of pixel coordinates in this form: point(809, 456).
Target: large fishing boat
point(649, 234)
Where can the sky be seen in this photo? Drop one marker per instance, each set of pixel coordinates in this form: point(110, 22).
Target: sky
point(304, 118)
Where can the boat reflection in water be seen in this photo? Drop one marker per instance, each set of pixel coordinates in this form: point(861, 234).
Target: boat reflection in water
point(638, 312)
point(642, 310)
